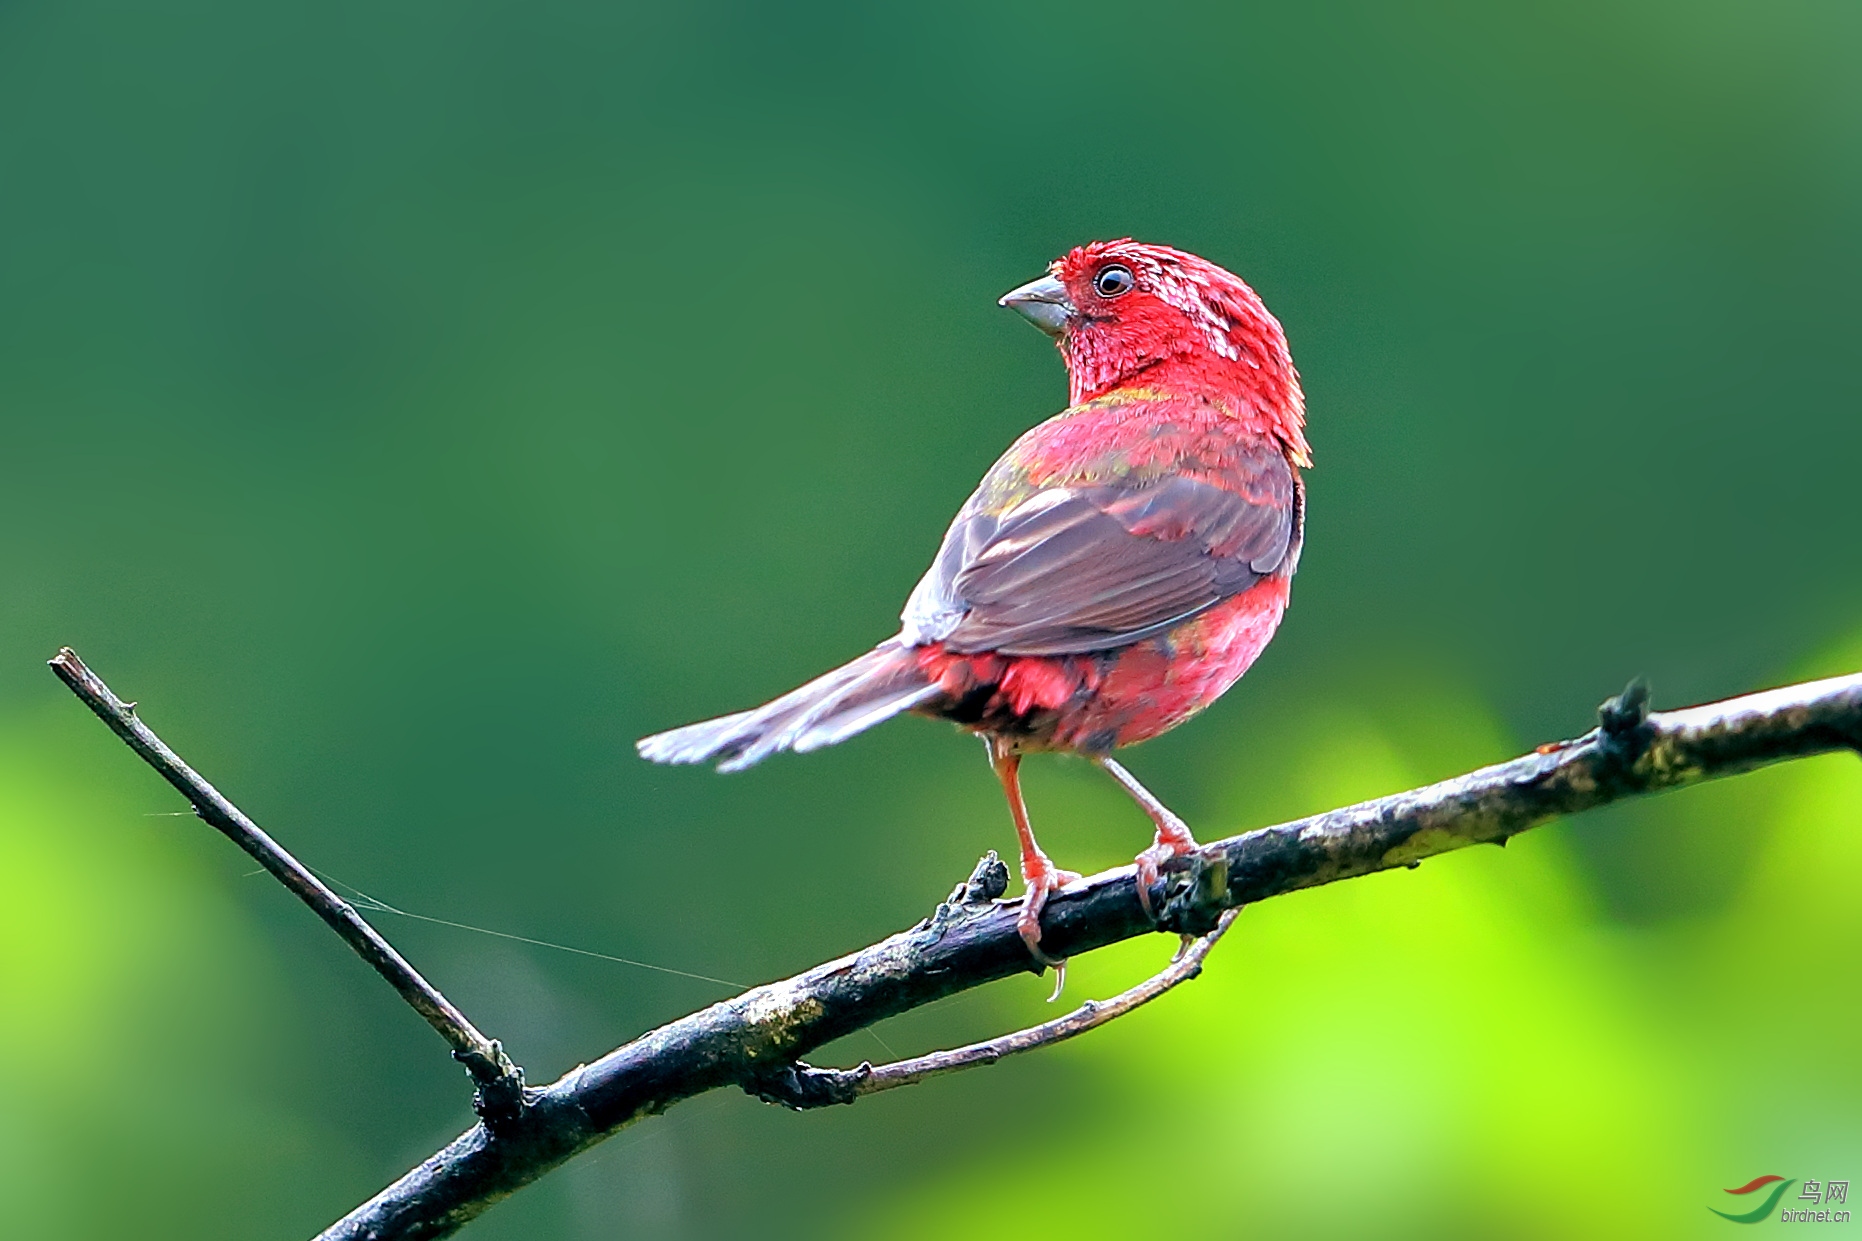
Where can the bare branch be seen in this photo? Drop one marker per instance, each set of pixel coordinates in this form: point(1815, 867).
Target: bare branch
point(500, 1082)
point(756, 1038)
point(966, 945)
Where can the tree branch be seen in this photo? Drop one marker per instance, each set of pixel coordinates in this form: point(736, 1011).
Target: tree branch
point(500, 1082)
point(754, 1040)
point(748, 1038)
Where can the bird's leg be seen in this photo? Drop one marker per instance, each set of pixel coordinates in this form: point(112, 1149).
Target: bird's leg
point(1173, 834)
point(1039, 874)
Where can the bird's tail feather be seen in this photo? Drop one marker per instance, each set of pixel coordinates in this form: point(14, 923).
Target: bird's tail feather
point(826, 711)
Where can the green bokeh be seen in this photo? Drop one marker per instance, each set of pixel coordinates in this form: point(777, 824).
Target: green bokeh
point(413, 404)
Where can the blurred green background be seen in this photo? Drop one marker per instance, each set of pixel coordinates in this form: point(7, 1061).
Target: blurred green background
point(412, 404)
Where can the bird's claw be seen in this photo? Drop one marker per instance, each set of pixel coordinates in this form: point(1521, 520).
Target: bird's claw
point(1041, 881)
point(1147, 878)
point(1151, 860)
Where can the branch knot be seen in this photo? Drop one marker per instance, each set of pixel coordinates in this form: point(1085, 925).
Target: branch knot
point(501, 1096)
point(801, 1087)
point(1196, 894)
point(1623, 728)
point(971, 898)
point(987, 882)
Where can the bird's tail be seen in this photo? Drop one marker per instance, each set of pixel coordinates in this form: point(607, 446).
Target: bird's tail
point(829, 709)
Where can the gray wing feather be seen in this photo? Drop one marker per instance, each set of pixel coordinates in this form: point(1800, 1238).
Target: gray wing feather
point(1086, 568)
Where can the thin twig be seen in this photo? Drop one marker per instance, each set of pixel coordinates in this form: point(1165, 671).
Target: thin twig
point(803, 1086)
point(500, 1082)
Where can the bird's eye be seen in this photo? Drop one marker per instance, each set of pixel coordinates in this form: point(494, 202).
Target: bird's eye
point(1113, 280)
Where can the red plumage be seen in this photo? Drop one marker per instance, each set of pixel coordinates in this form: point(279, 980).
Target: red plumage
point(1116, 570)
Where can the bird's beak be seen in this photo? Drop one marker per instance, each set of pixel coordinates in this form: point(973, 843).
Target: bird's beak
point(1044, 303)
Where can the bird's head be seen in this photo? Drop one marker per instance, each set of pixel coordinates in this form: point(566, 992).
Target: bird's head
point(1127, 313)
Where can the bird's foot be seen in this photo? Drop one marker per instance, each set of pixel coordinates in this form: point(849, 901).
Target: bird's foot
point(1173, 834)
point(1042, 877)
point(1173, 841)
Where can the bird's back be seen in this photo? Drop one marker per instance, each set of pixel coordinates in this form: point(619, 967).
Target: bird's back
point(1117, 569)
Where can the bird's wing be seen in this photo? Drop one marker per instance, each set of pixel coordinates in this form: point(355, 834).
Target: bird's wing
point(1100, 564)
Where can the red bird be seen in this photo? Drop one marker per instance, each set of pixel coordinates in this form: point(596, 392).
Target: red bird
point(1118, 569)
